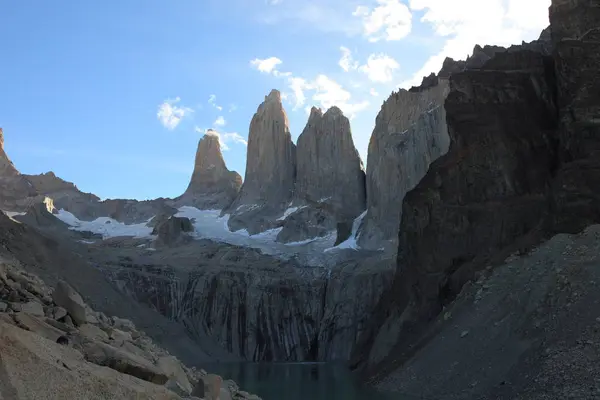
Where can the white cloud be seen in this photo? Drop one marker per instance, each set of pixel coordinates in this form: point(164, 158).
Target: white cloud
point(267, 65)
point(470, 22)
point(373, 92)
point(224, 138)
point(390, 20)
point(347, 63)
point(380, 68)
point(233, 107)
point(325, 91)
point(170, 114)
point(212, 100)
point(220, 121)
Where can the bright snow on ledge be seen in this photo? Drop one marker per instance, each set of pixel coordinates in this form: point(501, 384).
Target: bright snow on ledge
point(210, 225)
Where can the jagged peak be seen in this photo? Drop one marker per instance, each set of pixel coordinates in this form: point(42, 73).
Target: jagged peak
point(274, 95)
point(1, 138)
point(334, 111)
point(315, 113)
point(210, 134)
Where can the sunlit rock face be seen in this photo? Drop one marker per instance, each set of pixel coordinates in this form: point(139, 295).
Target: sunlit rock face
point(410, 132)
point(268, 186)
point(330, 179)
point(212, 185)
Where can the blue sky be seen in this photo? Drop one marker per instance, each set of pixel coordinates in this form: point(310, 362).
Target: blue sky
point(114, 95)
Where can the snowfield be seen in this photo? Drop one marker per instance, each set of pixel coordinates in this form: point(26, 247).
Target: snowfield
point(208, 224)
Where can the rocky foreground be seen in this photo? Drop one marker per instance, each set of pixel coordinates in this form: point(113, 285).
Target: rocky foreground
point(54, 346)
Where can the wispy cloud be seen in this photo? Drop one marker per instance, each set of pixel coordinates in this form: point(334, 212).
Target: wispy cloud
point(266, 65)
point(329, 16)
point(225, 138)
point(380, 68)
point(170, 114)
point(220, 121)
point(346, 62)
point(323, 90)
point(212, 100)
point(390, 20)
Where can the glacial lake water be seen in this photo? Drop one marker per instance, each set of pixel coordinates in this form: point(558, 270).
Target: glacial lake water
point(299, 381)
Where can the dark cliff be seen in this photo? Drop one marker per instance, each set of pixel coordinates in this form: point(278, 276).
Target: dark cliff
point(522, 166)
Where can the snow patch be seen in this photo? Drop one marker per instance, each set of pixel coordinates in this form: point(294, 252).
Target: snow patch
point(12, 214)
point(289, 211)
point(86, 241)
point(107, 227)
point(351, 242)
point(210, 225)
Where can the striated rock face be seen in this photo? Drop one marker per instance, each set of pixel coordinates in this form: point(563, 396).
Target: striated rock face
point(212, 186)
point(329, 168)
point(255, 306)
point(270, 169)
point(575, 35)
point(410, 132)
point(487, 191)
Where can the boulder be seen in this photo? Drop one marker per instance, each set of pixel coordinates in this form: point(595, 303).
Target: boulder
point(33, 308)
point(34, 367)
point(65, 296)
point(122, 361)
point(34, 324)
point(173, 369)
point(209, 387)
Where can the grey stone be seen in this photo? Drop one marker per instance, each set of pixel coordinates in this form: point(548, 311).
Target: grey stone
point(33, 308)
point(65, 296)
point(212, 185)
point(329, 168)
point(270, 169)
point(410, 132)
point(123, 361)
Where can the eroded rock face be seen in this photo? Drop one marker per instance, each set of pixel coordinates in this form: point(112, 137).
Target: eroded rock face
point(489, 189)
point(255, 306)
point(410, 132)
point(212, 185)
point(268, 186)
point(575, 35)
point(329, 168)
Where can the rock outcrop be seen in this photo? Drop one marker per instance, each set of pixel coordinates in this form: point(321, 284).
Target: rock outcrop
point(53, 346)
point(268, 186)
point(171, 230)
point(329, 168)
point(212, 185)
point(488, 190)
point(329, 179)
point(410, 132)
point(14, 188)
